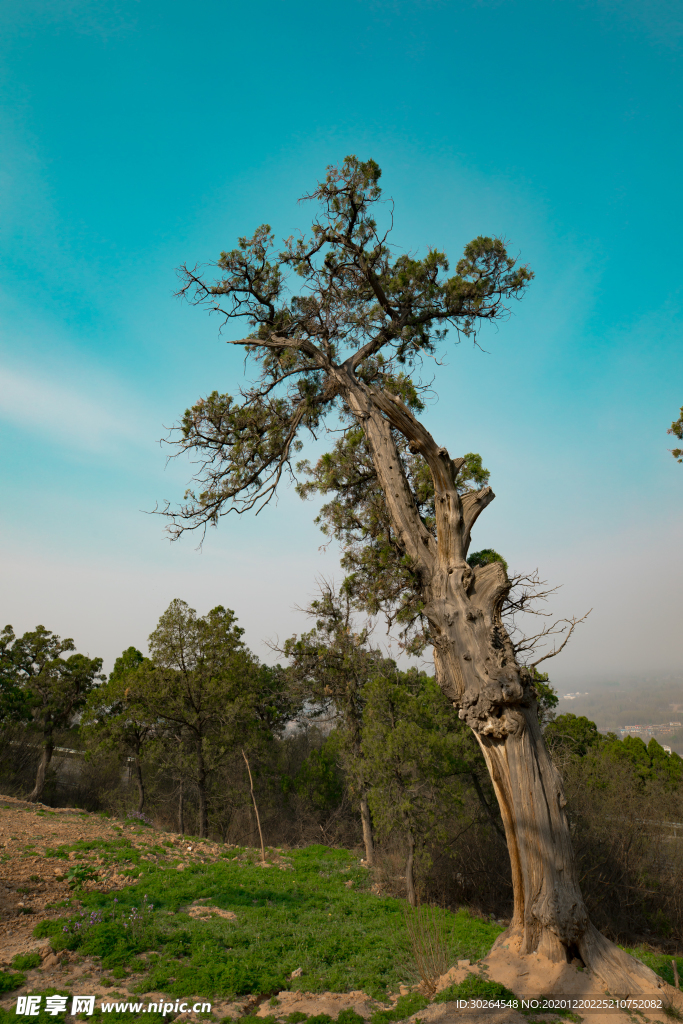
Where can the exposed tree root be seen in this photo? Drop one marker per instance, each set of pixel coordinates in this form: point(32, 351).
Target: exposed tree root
point(618, 972)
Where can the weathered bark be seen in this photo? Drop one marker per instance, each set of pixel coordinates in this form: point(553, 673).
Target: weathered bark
point(140, 784)
point(476, 668)
point(43, 765)
point(549, 913)
point(367, 830)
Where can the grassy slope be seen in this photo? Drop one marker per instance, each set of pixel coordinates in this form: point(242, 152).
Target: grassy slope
point(300, 913)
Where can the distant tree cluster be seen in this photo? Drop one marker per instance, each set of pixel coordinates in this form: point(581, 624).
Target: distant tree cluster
point(649, 763)
point(625, 800)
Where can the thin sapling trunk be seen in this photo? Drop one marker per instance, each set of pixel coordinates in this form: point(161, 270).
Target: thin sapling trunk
point(367, 830)
point(258, 820)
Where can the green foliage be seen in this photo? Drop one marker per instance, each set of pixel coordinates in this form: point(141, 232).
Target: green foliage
point(55, 687)
point(10, 981)
point(405, 1007)
point(329, 667)
point(319, 779)
point(546, 695)
point(26, 961)
point(417, 752)
point(676, 429)
point(358, 301)
point(14, 705)
point(59, 852)
point(343, 938)
point(79, 874)
point(474, 987)
point(115, 718)
point(197, 701)
point(380, 578)
point(573, 733)
point(485, 557)
point(129, 661)
point(667, 768)
point(647, 764)
point(38, 684)
point(661, 963)
point(43, 689)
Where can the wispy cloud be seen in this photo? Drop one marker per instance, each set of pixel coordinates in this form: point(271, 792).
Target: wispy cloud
point(61, 413)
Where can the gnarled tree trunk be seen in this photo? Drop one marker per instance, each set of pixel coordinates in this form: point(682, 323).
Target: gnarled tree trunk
point(477, 669)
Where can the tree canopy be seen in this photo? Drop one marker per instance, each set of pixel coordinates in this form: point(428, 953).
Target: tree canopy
point(360, 315)
point(44, 688)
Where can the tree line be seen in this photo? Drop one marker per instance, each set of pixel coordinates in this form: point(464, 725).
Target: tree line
point(345, 747)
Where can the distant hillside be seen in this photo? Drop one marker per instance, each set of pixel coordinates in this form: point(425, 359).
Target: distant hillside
point(645, 701)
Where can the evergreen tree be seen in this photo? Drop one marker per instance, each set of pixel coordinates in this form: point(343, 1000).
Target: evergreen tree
point(115, 717)
point(53, 689)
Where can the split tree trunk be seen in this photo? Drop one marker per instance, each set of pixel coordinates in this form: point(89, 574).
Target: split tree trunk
point(367, 830)
point(477, 669)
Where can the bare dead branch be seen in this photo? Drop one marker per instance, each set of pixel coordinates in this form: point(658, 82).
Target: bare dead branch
point(570, 627)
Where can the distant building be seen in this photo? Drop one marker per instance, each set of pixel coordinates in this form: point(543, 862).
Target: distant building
point(664, 729)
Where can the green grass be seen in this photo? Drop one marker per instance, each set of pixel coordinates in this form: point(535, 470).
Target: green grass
point(10, 981)
point(406, 1006)
point(659, 962)
point(475, 988)
point(26, 961)
point(342, 938)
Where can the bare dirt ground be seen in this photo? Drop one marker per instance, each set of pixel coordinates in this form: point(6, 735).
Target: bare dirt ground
point(30, 882)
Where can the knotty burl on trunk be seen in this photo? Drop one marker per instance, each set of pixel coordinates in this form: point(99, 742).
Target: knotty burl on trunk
point(338, 347)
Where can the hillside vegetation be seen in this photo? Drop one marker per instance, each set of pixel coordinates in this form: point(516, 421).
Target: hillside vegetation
point(339, 747)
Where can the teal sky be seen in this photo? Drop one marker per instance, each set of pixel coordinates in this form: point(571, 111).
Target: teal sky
point(139, 135)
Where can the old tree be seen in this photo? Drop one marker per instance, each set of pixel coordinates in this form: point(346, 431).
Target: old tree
point(337, 348)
